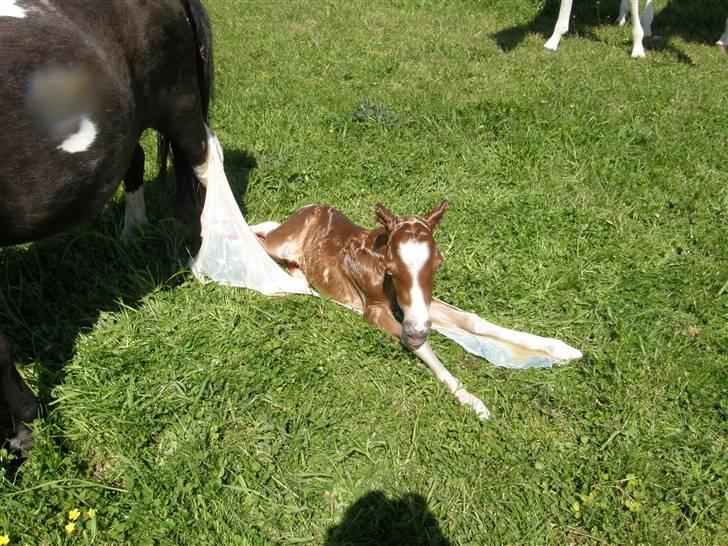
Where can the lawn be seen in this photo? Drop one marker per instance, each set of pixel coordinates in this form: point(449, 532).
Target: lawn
point(589, 202)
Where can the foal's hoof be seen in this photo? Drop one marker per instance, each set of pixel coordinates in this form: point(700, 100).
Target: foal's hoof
point(467, 399)
point(481, 411)
point(721, 47)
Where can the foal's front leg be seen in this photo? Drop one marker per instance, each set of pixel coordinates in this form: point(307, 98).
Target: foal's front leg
point(381, 317)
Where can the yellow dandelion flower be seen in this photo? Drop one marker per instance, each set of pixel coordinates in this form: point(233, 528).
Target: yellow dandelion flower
point(70, 527)
point(73, 514)
point(4, 539)
point(90, 513)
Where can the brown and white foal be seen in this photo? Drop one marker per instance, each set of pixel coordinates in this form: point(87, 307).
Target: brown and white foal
point(380, 272)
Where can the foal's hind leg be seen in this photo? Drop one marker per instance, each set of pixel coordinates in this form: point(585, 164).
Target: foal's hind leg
point(281, 243)
point(135, 214)
point(470, 322)
point(22, 402)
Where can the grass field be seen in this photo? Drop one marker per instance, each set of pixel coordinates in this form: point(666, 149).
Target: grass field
point(589, 202)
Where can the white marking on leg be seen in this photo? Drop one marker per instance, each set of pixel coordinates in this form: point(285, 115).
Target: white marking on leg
point(82, 139)
point(723, 40)
point(415, 256)
point(622, 17)
point(326, 275)
point(213, 165)
point(427, 355)
point(450, 316)
point(562, 25)
point(135, 213)
point(8, 8)
point(263, 229)
point(638, 50)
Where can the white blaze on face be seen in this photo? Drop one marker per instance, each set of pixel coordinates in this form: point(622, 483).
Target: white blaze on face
point(82, 139)
point(415, 256)
point(8, 8)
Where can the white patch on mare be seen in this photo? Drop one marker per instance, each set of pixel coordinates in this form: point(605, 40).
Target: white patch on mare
point(415, 256)
point(82, 139)
point(212, 168)
point(8, 8)
point(135, 212)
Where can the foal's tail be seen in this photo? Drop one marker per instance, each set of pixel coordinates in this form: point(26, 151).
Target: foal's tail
point(187, 186)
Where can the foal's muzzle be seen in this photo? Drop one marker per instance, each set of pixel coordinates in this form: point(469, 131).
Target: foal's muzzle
point(413, 335)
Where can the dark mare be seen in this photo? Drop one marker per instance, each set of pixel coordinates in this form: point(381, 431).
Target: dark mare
point(81, 81)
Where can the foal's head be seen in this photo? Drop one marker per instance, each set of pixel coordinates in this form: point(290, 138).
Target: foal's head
point(411, 259)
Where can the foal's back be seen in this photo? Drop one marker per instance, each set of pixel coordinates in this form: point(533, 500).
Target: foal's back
point(322, 242)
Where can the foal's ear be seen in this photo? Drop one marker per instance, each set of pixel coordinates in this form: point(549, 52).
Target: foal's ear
point(435, 215)
point(385, 216)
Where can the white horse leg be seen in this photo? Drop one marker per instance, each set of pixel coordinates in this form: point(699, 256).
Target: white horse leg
point(722, 42)
point(622, 17)
point(562, 25)
point(135, 214)
point(427, 355)
point(647, 16)
point(637, 33)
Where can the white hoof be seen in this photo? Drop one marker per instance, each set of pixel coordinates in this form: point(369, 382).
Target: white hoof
point(467, 399)
point(551, 45)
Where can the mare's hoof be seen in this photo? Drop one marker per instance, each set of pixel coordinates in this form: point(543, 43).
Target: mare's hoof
point(21, 443)
point(548, 51)
point(721, 47)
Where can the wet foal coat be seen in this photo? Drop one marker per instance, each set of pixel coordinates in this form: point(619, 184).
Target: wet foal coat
point(382, 272)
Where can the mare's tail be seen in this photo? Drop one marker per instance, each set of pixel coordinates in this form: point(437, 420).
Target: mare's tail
point(188, 188)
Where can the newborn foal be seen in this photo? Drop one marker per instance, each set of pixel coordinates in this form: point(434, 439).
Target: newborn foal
point(379, 272)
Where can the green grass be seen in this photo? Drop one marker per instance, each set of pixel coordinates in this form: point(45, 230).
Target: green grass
point(589, 203)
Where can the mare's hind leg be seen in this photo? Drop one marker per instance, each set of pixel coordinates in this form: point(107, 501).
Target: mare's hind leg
point(22, 402)
point(197, 157)
point(722, 42)
point(135, 214)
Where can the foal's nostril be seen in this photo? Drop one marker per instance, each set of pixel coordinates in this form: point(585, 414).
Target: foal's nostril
point(414, 335)
point(413, 329)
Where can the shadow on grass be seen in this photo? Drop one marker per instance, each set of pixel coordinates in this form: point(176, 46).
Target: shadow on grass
point(701, 22)
point(584, 16)
point(56, 288)
point(375, 519)
point(238, 166)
